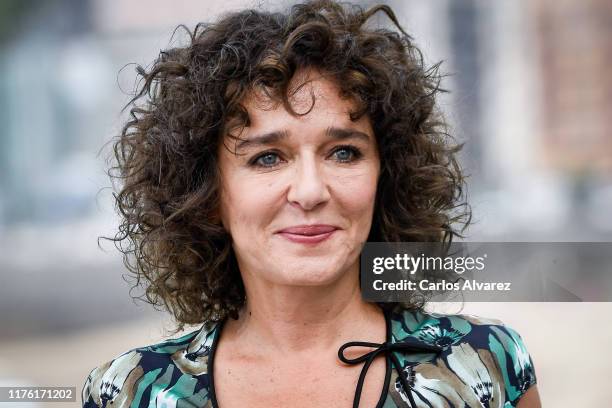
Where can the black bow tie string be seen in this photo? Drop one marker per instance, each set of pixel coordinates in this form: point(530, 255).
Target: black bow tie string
point(387, 348)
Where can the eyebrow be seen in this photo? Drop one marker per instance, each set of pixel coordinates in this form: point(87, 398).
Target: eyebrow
point(274, 137)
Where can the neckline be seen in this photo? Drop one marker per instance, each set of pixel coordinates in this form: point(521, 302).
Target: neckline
point(213, 348)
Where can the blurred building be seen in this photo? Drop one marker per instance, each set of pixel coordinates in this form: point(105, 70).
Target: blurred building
point(575, 41)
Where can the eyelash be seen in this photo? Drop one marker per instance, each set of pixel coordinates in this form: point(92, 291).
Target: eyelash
point(356, 154)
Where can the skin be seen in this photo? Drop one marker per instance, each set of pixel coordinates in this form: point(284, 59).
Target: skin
point(530, 399)
point(307, 177)
point(303, 301)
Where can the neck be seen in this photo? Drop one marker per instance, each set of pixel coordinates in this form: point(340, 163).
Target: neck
point(305, 319)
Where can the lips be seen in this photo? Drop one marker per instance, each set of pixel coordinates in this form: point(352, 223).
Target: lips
point(308, 234)
point(309, 230)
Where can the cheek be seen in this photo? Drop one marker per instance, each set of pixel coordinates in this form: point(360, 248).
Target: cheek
point(246, 202)
point(357, 192)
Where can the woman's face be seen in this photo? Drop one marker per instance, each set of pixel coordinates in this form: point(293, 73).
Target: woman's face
point(298, 197)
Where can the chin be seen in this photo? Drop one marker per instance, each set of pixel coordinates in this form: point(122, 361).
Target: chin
point(309, 274)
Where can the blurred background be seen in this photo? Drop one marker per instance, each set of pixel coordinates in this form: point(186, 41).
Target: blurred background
point(531, 95)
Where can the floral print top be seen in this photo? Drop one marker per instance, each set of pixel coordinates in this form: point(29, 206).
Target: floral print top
point(433, 360)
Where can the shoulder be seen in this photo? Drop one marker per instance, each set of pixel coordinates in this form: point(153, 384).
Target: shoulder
point(154, 375)
point(483, 353)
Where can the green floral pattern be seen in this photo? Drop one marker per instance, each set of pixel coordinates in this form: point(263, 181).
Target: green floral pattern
point(482, 364)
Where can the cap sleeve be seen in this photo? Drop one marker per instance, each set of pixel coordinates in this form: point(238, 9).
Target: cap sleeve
point(113, 381)
point(514, 360)
point(87, 395)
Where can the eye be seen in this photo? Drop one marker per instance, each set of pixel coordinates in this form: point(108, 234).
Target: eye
point(347, 153)
point(267, 159)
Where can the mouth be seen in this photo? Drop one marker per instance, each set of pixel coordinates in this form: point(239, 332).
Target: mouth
point(308, 234)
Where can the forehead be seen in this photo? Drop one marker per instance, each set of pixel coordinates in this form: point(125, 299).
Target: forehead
point(313, 95)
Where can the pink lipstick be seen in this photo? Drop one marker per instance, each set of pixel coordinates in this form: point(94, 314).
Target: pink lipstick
point(308, 234)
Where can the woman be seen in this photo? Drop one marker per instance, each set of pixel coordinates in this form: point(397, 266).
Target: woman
point(266, 153)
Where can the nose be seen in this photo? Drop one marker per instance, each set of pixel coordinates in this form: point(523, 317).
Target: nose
point(308, 187)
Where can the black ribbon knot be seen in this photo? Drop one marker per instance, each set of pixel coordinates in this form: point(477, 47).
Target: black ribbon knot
point(387, 348)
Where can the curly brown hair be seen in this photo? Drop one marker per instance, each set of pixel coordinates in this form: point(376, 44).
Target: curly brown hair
point(171, 235)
